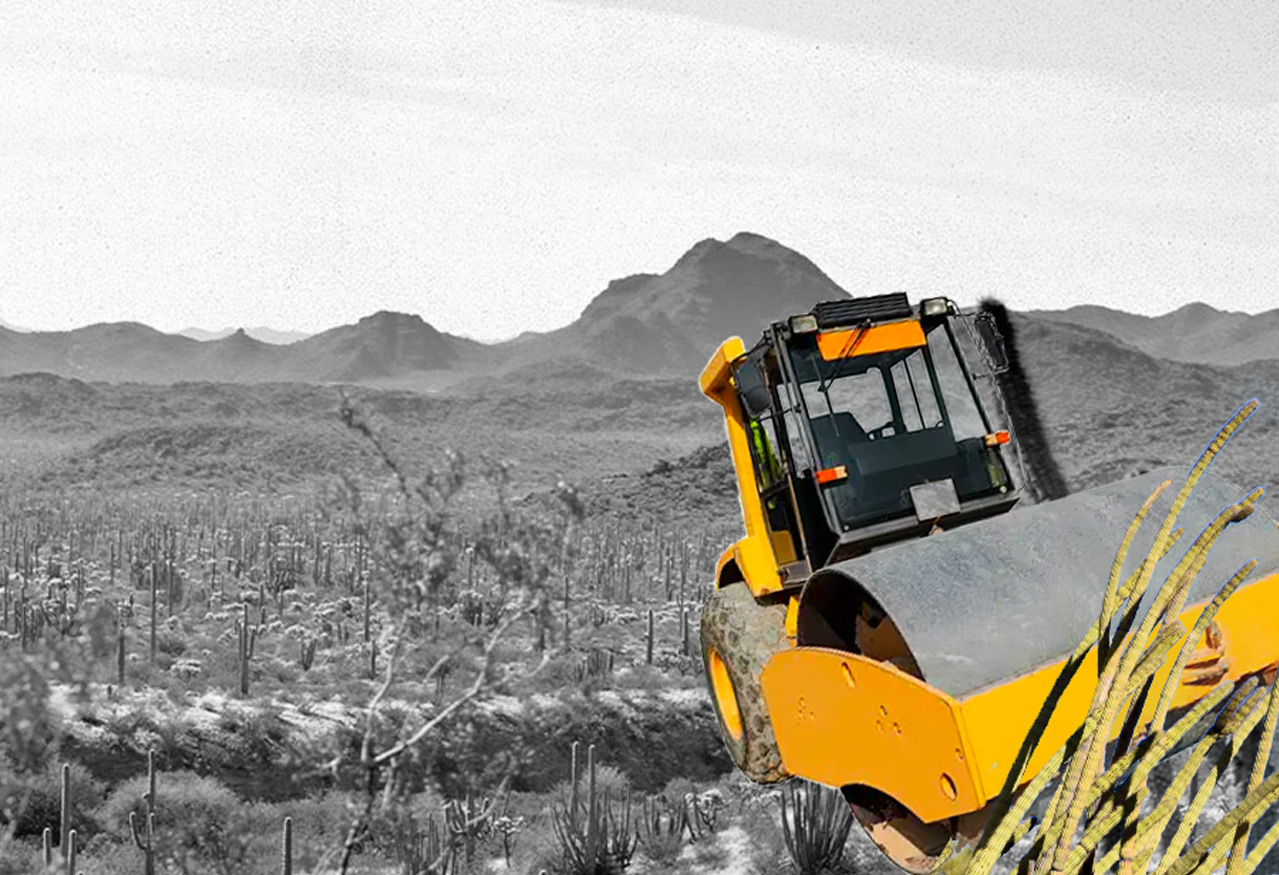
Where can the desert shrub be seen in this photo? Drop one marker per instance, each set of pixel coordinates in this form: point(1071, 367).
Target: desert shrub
point(644, 677)
point(677, 789)
point(766, 845)
point(709, 856)
point(612, 780)
point(263, 736)
point(608, 779)
point(559, 673)
point(109, 858)
point(170, 642)
point(322, 818)
point(34, 801)
point(197, 818)
point(27, 730)
point(662, 830)
point(20, 858)
point(538, 849)
point(282, 671)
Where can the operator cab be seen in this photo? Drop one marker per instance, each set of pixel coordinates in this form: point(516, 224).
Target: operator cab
point(866, 427)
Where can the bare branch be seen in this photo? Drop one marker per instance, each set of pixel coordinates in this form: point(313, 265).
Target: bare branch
point(481, 680)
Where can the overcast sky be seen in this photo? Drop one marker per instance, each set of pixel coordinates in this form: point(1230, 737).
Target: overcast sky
point(492, 165)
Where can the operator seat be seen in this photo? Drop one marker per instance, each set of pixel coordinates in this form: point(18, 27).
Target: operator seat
point(835, 435)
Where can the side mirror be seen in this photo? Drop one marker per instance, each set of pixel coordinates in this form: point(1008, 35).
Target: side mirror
point(753, 392)
point(757, 402)
point(992, 342)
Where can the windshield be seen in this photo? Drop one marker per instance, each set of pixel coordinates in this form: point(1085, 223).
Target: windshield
point(895, 420)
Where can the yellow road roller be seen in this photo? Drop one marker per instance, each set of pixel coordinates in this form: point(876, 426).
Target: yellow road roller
point(913, 577)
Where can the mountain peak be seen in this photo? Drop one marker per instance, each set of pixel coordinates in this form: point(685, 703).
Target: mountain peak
point(699, 251)
point(1195, 308)
point(393, 316)
point(709, 253)
point(715, 290)
point(749, 241)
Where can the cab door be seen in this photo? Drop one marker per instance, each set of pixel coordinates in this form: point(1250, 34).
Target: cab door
point(771, 471)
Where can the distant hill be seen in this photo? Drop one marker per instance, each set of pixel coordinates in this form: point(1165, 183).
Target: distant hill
point(262, 333)
point(1109, 411)
point(378, 347)
point(1194, 333)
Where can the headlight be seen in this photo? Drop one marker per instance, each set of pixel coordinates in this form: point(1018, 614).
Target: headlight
point(934, 307)
point(805, 324)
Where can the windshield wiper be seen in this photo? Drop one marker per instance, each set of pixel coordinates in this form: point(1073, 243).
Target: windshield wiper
point(854, 340)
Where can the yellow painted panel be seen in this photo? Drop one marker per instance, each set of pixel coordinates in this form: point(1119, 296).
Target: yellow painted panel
point(998, 719)
point(792, 618)
point(724, 559)
point(716, 380)
point(878, 338)
point(754, 557)
point(754, 553)
point(843, 719)
point(888, 730)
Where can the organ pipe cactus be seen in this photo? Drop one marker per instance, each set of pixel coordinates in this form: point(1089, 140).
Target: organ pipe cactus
point(594, 839)
point(816, 821)
point(1105, 796)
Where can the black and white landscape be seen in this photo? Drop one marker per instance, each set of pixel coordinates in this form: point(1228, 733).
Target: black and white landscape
point(355, 486)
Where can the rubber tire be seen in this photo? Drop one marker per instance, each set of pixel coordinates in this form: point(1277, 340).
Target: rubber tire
point(746, 634)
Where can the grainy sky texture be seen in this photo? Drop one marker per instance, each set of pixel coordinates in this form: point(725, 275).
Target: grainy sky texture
point(492, 165)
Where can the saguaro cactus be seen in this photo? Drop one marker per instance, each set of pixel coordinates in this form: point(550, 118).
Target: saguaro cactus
point(286, 847)
point(244, 651)
point(155, 599)
point(648, 640)
point(120, 647)
point(70, 852)
point(146, 847)
point(64, 827)
point(306, 656)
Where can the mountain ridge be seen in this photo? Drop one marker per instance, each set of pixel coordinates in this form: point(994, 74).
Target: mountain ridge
point(643, 324)
point(257, 332)
point(1195, 333)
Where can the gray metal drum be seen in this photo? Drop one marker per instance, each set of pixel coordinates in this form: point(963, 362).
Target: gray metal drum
point(995, 599)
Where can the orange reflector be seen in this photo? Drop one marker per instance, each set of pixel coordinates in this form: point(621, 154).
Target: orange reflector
point(999, 437)
point(830, 475)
